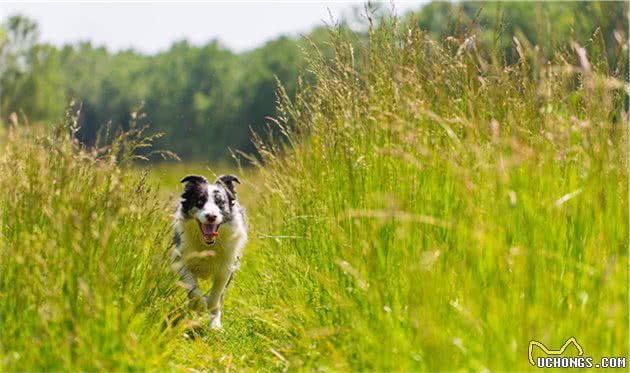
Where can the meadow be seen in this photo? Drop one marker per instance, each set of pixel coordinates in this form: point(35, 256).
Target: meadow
point(423, 206)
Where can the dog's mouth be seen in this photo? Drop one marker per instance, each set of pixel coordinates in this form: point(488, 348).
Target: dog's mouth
point(209, 232)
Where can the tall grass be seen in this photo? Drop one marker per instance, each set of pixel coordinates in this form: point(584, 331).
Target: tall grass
point(84, 284)
point(431, 208)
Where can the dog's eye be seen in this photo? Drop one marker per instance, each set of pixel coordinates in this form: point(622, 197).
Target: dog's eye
point(200, 203)
point(218, 200)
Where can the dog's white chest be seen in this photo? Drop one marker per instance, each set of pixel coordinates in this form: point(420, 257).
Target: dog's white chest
point(205, 261)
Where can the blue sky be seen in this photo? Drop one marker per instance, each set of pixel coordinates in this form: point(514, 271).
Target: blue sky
point(150, 27)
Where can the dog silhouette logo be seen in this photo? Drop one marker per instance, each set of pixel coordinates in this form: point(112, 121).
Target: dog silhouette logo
point(547, 351)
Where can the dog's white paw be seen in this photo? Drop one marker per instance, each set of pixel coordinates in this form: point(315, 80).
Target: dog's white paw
point(215, 319)
point(215, 323)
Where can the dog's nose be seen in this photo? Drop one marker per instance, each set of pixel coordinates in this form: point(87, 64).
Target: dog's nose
point(211, 218)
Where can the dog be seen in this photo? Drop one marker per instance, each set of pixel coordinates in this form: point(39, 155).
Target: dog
point(209, 234)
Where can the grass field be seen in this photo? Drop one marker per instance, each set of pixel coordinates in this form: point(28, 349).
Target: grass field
point(424, 207)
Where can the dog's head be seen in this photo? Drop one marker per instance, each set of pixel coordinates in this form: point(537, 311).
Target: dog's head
point(209, 204)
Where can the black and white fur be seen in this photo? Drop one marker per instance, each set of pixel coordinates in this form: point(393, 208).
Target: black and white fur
point(210, 231)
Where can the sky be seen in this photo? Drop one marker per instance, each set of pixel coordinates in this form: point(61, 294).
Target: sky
point(152, 27)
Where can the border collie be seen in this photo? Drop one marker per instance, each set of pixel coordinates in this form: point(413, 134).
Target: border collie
point(210, 231)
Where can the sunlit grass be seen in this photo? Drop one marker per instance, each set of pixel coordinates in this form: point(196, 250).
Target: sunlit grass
point(83, 282)
point(436, 210)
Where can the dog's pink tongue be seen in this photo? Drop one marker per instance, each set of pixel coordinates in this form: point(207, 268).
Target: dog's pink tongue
point(210, 230)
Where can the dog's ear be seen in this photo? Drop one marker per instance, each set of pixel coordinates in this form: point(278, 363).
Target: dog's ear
point(194, 179)
point(228, 182)
point(192, 191)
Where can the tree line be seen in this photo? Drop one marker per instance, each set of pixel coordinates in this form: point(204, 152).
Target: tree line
point(208, 98)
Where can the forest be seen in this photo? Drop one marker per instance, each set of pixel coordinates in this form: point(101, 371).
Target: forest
point(207, 99)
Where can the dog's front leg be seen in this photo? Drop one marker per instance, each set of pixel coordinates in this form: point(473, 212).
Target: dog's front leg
point(196, 299)
point(215, 298)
